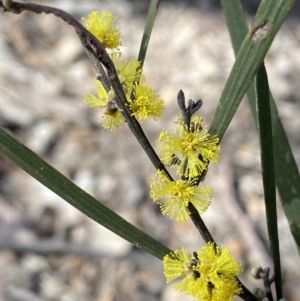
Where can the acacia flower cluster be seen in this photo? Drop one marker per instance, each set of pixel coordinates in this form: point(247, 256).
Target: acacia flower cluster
point(209, 274)
point(174, 196)
point(145, 102)
point(193, 147)
point(112, 117)
point(102, 26)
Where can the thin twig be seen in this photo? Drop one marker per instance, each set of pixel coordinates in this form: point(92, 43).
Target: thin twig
point(267, 284)
point(98, 51)
point(102, 77)
point(199, 224)
point(246, 295)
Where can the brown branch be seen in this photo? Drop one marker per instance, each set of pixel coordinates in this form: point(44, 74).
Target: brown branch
point(96, 52)
point(81, 31)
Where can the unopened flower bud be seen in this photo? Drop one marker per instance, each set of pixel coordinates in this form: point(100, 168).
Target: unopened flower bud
point(7, 4)
point(260, 293)
point(256, 272)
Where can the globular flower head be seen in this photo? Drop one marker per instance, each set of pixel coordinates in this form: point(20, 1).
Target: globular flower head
point(178, 264)
point(219, 268)
point(210, 275)
point(217, 262)
point(181, 264)
point(112, 120)
point(101, 100)
point(174, 196)
point(194, 147)
point(128, 71)
point(112, 117)
point(146, 103)
point(102, 26)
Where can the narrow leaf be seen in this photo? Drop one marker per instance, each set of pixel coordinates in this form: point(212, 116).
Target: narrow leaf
point(257, 42)
point(267, 166)
point(147, 30)
point(286, 170)
point(62, 186)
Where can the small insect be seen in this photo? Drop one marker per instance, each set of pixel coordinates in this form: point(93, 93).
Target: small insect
point(111, 108)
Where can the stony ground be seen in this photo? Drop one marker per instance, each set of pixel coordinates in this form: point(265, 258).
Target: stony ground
point(49, 250)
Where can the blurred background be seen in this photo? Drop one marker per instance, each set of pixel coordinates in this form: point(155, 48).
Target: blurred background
point(48, 249)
